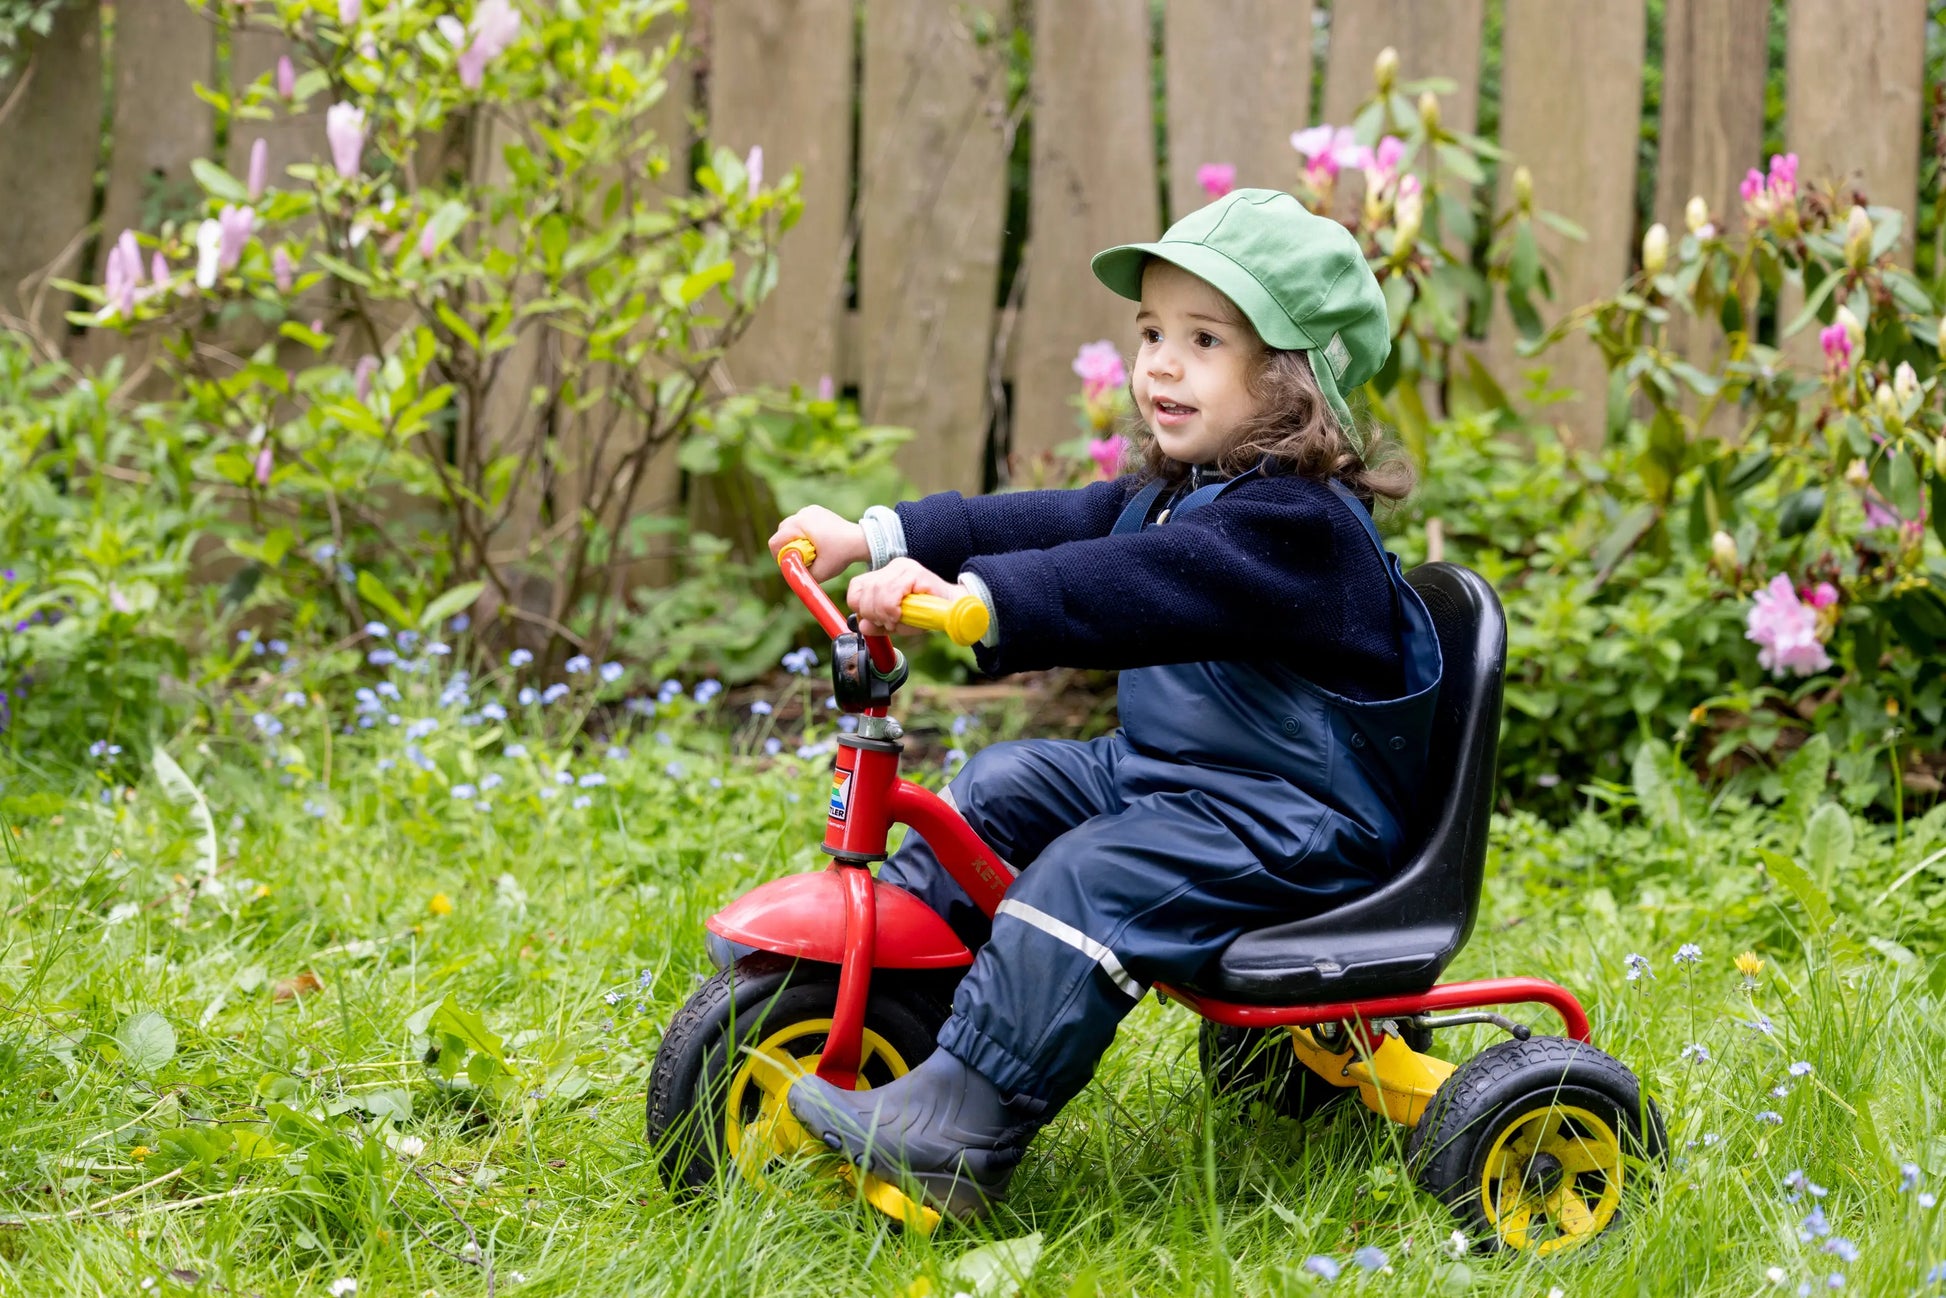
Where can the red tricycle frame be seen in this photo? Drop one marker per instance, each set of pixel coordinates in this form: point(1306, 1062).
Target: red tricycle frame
point(844, 916)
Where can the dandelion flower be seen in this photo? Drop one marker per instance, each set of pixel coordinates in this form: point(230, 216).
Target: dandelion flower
point(440, 904)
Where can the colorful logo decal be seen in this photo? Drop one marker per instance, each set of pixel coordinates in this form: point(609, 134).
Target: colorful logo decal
point(840, 795)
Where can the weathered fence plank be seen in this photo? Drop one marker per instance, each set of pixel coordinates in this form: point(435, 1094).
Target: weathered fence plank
point(1434, 38)
point(932, 197)
point(293, 137)
point(1714, 57)
point(781, 79)
point(162, 50)
point(1237, 77)
point(50, 136)
point(1570, 104)
point(1093, 186)
point(1855, 90)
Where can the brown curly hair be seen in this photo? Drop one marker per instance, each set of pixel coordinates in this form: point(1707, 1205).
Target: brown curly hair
point(1293, 427)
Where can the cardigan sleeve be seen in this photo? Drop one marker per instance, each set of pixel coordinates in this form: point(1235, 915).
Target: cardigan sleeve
point(944, 531)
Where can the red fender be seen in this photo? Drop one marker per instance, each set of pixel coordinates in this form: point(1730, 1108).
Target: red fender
point(804, 916)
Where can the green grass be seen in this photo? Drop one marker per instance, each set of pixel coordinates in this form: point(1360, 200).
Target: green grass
point(268, 1152)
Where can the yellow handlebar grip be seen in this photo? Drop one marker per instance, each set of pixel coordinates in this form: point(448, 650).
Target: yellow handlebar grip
point(964, 620)
point(803, 547)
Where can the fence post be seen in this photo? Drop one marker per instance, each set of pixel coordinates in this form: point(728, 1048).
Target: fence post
point(1570, 109)
point(1434, 38)
point(1094, 184)
point(932, 185)
point(50, 139)
point(1238, 83)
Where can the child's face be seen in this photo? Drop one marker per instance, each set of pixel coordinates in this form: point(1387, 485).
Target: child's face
point(1191, 377)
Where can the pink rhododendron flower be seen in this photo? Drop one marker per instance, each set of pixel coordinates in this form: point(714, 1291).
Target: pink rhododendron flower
point(282, 270)
point(259, 168)
point(1823, 595)
point(344, 129)
point(1836, 341)
point(495, 24)
point(1327, 150)
point(234, 226)
point(1107, 453)
point(1099, 367)
point(1216, 178)
point(1786, 630)
point(1878, 514)
point(1380, 165)
point(286, 76)
point(1765, 196)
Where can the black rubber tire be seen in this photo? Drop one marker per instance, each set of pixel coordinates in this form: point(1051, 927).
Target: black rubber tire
point(1504, 1083)
point(758, 995)
point(1258, 1066)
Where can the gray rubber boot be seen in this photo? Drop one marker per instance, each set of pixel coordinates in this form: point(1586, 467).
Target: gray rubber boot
point(942, 1127)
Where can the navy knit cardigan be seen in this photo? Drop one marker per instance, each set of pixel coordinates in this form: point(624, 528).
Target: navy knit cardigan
point(1277, 567)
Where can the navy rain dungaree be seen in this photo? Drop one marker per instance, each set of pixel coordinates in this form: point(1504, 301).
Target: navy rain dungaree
point(1235, 795)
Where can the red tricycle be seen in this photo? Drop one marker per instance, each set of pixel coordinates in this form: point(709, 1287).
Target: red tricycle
point(1529, 1142)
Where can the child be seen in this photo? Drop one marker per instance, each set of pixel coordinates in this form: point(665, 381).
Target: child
point(1278, 679)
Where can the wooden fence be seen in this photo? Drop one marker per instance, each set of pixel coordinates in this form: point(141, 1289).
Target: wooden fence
point(924, 334)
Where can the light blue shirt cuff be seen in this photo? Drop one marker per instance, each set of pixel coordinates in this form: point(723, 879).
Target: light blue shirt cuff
point(978, 588)
point(884, 535)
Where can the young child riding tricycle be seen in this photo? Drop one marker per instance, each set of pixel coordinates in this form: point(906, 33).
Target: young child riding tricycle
point(1279, 684)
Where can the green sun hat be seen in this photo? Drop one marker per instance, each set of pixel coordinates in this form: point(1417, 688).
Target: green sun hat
point(1298, 277)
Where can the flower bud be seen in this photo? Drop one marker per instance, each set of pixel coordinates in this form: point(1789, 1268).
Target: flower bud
point(1385, 70)
point(1655, 250)
point(1939, 455)
point(1696, 215)
point(1429, 111)
point(1524, 200)
point(1858, 239)
point(1857, 474)
point(1905, 383)
point(1853, 330)
point(1939, 337)
point(1408, 212)
point(1723, 551)
point(1887, 402)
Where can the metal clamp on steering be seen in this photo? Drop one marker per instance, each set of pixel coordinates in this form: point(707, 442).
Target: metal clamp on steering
point(855, 682)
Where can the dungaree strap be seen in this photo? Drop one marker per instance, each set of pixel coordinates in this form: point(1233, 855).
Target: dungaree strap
point(1136, 513)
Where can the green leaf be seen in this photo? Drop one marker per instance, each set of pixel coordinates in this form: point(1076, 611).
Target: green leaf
point(461, 330)
point(1813, 302)
point(467, 1027)
point(1461, 164)
point(1808, 894)
point(180, 789)
point(372, 591)
point(1828, 839)
point(1653, 788)
point(999, 1269)
point(147, 1041)
point(1800, 511)
point(694, 286)
point(218, 183)
point(1626, 533)
point(451, 602)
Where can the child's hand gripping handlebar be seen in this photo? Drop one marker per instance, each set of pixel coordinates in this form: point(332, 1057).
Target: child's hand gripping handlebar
point(964, 620)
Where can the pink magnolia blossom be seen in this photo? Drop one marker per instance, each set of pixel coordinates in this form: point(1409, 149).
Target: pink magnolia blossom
point(209, 253)
point(263, 464)
point(118, 601)
point(428, 242)
point(1786, 630)
point(234, 226)
point(344, 129)
point(286, 76)
point(1107, 453)
point(259, 167)
point(1836, 341)
point(1099, 367)
point(753, 166)
point(1216, 178)
point(361, 377)
point(827, 390)
point(282, 270)
point(122, 274)
point(159, 270)
point(348, 11)
point(495, 24)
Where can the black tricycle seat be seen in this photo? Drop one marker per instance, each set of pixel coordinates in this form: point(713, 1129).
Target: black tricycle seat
point(1397, 939)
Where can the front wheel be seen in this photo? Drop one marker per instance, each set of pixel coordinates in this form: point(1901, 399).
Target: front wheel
point(716, 1091)
point(1531, 1143)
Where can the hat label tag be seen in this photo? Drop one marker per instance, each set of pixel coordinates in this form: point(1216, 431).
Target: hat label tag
point(1338, 355)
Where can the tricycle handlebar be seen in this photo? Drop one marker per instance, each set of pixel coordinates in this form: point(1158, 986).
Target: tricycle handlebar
point(964, 620)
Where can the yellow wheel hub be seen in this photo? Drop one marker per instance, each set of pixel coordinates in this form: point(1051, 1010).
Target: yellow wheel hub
point(1552, 1180)
point(766, 1074)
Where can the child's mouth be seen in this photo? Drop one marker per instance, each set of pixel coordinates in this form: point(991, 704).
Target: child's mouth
point(1169, 413)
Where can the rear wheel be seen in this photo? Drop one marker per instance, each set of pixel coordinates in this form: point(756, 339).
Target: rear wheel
point(1532, 1143)
point(716, 1091)
point(1258, 1065)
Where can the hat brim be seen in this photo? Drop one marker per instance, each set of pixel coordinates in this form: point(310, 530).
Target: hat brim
point(1120, 269)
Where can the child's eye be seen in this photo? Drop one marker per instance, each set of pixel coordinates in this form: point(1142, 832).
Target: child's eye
point(1151, 334)
point(1205, 339)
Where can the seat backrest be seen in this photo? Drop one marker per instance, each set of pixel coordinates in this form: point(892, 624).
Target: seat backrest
point(1431, 903)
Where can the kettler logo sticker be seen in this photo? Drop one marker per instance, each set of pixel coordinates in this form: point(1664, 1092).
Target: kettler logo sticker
point(840, 795)
point(1338, 354)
